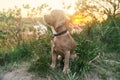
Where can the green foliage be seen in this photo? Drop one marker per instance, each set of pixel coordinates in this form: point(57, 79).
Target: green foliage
point(87, 49)
point(21, 52)
point(42, 58)
point(56, 75)
point(41, 65)
point(14, 55)
point(111, 36)
point(92, 43)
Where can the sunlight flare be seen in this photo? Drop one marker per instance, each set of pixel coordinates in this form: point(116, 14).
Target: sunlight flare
point(78, 19)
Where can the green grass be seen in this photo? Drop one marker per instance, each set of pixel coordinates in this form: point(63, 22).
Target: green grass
point(42, 58)
point(20, 53)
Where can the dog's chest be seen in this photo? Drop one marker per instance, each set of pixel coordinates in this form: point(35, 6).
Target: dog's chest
point(53, 30)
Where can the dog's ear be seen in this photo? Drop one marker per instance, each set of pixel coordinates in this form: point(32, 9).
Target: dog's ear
point(60, 22)
point(48, 19)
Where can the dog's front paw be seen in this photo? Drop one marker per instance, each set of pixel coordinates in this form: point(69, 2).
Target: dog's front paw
point(66, 71)
point(52, 66)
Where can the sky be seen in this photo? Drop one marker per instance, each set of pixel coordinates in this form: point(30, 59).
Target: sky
point(55, 4)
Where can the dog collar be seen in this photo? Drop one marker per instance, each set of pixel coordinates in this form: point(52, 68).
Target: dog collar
point(58, 34)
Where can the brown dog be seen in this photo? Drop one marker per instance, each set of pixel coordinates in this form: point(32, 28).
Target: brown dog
point(62, 43)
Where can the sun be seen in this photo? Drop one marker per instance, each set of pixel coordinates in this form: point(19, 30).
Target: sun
point(79, 19)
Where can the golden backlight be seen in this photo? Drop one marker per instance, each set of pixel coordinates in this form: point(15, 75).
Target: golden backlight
point(77, 19)
point(54, 4)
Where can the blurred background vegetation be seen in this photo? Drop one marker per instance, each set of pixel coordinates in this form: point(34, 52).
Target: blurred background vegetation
point(98, 44)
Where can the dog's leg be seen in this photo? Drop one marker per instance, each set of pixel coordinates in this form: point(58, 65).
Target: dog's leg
point(54, 56)
point(66, 63)
point(59, 58)
point(53, 60)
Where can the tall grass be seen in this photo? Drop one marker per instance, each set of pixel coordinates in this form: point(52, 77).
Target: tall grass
point(111, 36)
point(20, 53)
point(42, 58)
point(89, 46)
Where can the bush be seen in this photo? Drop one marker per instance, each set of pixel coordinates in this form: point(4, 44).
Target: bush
point(21, 52)
point(41, 50)
point(87, 49)
point(41, 65)
point(111, 35)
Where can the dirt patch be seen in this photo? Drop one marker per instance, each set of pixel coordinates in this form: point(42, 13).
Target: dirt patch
point(19, 74)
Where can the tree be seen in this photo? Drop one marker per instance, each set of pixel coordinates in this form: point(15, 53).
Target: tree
point(11, 25)
point(36, 11)
point(109, 7)
point(85, 8)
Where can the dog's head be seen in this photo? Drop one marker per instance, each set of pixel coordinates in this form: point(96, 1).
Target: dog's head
point(48, 19)
point(56, 18)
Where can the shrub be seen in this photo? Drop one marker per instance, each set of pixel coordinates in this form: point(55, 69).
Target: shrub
point(111, 37)
point(42, 58)
point(21, 52)
point(87, 49)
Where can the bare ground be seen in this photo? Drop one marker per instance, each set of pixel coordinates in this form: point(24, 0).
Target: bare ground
point(19, 73)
